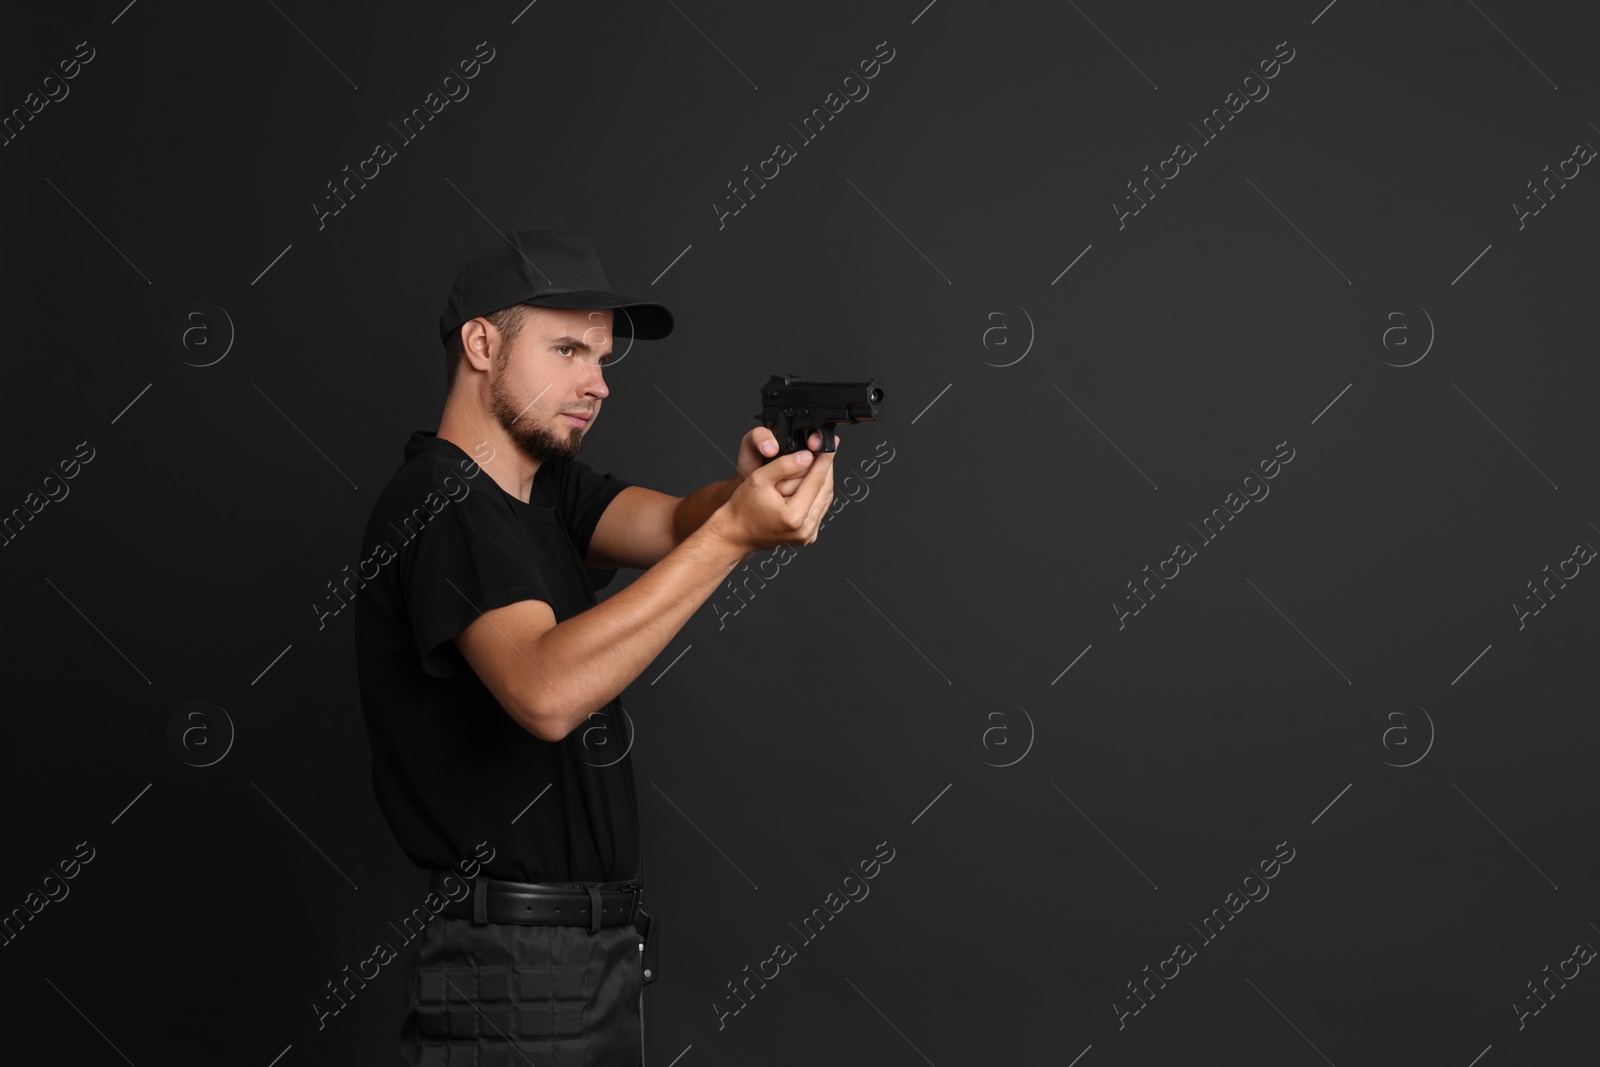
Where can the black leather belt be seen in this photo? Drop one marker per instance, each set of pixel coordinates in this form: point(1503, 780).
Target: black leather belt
point(591, 904)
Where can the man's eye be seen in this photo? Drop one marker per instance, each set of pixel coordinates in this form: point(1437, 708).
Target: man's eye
point(560, 347)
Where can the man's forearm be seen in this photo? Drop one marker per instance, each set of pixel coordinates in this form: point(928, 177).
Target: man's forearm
point(693, 510)
point(587, 660)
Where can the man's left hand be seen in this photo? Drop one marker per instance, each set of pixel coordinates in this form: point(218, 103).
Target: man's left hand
point(760, 446)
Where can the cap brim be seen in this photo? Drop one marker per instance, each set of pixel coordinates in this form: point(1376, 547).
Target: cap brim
point(643, 320)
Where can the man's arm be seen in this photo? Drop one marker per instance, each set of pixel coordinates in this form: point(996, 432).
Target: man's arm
point(551, 677)
point(640, 526)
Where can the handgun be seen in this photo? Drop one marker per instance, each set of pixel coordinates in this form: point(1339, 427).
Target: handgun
point(792, 409)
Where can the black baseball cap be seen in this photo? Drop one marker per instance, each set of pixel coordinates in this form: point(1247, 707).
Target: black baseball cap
point(547, 268)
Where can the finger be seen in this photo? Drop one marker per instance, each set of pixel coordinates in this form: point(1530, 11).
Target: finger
point(790, 466)
point(814, 518)
point(820, 511)
point(789, 483)
point(825, 498)
point(818, 506)
point(820, 475)
point(764, 442)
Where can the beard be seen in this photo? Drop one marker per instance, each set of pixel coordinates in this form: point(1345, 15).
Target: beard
point(542, 444)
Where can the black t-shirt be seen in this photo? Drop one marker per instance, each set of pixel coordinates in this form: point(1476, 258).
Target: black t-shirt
point(450, 766)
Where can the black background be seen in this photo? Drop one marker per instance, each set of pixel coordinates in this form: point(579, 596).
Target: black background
point(1052, 432)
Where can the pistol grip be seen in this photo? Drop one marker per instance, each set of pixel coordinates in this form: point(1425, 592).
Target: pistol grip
point(793, 437)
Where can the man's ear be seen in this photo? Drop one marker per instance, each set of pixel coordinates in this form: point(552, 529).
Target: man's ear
point(475, 338)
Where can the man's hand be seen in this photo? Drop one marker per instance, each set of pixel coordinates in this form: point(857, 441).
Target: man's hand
point(759, 446)
point(755, 516)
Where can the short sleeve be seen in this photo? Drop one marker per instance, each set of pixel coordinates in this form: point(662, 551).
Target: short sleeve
point(471, 557)
point(582, 496)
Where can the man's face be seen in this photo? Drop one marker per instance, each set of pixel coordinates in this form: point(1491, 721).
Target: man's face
point(546, 386)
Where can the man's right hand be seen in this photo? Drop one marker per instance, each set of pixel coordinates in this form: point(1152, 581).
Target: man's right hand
point(759, 515)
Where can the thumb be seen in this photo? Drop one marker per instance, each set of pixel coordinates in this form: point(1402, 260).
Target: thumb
point(784, 467)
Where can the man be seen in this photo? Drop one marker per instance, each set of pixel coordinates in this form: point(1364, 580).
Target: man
point(490, 674)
